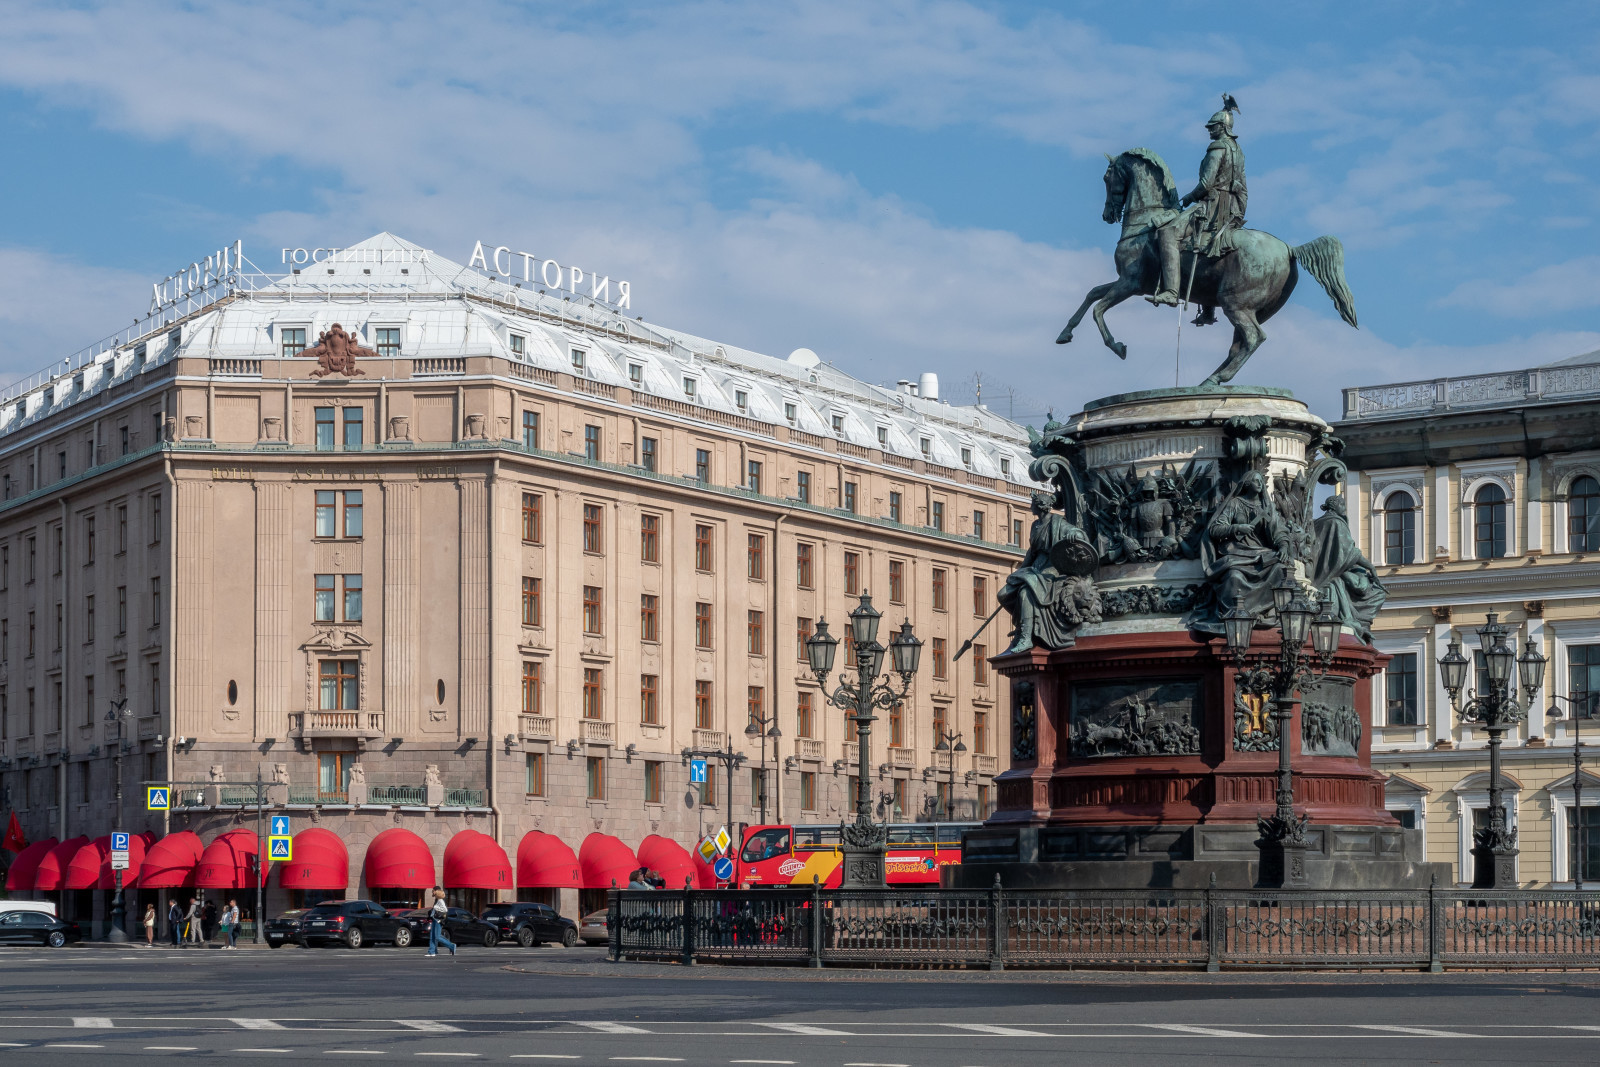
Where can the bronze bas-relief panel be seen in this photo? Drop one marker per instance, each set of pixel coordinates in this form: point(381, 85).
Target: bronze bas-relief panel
point(1329, 725)
point(1137, 718)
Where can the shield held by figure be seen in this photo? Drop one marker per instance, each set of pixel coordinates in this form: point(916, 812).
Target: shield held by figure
point(1075, 557)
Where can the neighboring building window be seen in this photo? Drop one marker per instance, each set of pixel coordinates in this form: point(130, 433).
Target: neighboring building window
point(802, 634)
point(808, 790)
point(688, 388)
point(593, 540)
point(936, 516)
point(597, 773)
point(708, 789)
point(155, 609)
point(88, 624)
point(530, 429)
point(122, 614)
point(1583, 675)
point(338, 513)
point(1489, 522)
point(532, 687)
point(850, 497)
point(591, 609)
point(532, 608)
point(647, 455)
point(122, 528)
point(294, 343)
point(741, 400)
point(883, 437)
point(324, 429)
point(754, 480)
point(897, 726)
point(985, 809)
point(1399, 529)
point(328, 601)
point(702, 465)
point(649, 707)
point(1583, 842)
point(756, 703)
point(980, 594)
point(652, 781)
point(340, 685)
point(756, 557)
point(898, 796)
point(88, 539)
point(636, 373)
point(155, 517)
point(980, 664)
point(388, 341)
point(790, 410)
point(534, 781)
point(897, 581)
point(352, 429)
point(894, 506)
point(702, 625)
point(591, 443)
point(702, 548)
point(649, 617)
point(650, 538)
point(802, 558)
point(838, 424)
point(803, 487)
point(1401, 685)
point(941, 662)
point(1583, 515)
point(977, 525)
point(980, 728)
point(702, 706)
point(966, 457)
point(580, 359)
point(852, 573)
point(939, 581)
point(804, 715)
point(755, 624)
point(533, 518)
point(593, 695)
point(519, 345)
point(1016, 532)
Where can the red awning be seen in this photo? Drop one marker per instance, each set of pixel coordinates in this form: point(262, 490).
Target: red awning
point(607, 863)
point(320, 862)
point(226, 862)
point(474, 860)
point(20, 877)
point(544, 861)
point(170, 862)
point(669, 859)
point(83, 870)
point(399, 859)
point(52, 870)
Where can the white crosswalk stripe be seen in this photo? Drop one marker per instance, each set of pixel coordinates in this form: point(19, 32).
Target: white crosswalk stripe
point(802, 1028)
point(614, 1028)
point(91, 1022)
point(430, 1026)
point(257, 1024)
point(1421, 1031)
point(1207, 1031)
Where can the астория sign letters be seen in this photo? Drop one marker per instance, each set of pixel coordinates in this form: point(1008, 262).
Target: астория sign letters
point(548, 273)
point(196, 278)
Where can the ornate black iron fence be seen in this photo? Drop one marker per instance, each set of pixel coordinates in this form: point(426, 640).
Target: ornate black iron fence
point(998, 928)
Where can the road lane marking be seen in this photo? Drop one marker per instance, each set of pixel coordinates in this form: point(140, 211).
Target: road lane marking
point(431, 1027)
point(1205, 1031)
point(877, 1065)
point(613, 1028)
point(172, 1048)
point(647, 1059)
point(467, 1054)
point(1420, 1031)
point(543, 1056)
point(58, 1044)
point(760, 1061)
point(809, 1031)
point(91, 1022)
point(261, 1050)
point(353, 1052)
point(1000, 1031)
point(257, 1024)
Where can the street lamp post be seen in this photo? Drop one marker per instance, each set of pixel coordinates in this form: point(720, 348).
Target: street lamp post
point(1494, 851)
point(950, 742)
point(1587, 703)
point(119, 914)
point(1280, 678)
point(764, 726)
point(865, 841)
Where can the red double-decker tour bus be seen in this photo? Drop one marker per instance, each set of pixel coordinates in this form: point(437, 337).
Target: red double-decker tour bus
point(777, 855)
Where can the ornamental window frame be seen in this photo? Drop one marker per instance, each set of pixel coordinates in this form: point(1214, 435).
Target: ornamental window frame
point(1559, 500)
point(1472, 793)
point(1475, 476)
point(1384, 736)
point(1383, 484)
point(1560, 794)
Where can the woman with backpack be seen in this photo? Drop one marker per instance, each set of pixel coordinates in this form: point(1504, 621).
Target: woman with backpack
point(436, 931)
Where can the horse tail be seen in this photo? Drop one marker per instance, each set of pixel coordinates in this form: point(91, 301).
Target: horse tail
point(1324, 259)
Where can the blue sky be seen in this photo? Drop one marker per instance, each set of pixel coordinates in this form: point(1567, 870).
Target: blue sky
point(900, 186)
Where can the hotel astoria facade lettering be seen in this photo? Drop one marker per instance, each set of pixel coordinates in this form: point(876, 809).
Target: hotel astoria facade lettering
point(476, 558)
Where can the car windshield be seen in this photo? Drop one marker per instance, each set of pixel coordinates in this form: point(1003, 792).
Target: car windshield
point(595, 916)
point(326, 909)
point(498, 911)
point(293, 914)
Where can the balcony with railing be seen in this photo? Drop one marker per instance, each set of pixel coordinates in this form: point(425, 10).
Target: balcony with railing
point(806, 748)
point(464, 798)
point(311, 795)
point(365, 725)
point(597, 732)
point(708, 740)
point(537, 727)
point(412, 795)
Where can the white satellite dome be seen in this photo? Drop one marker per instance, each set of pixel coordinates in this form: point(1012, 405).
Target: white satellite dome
point(804, 358)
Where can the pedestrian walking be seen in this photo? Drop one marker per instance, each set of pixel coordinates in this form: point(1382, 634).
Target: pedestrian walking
point(436, 931)
point(175, 921)
point(149, 926)
point(230, 924)
point(208, 921)
point(639, 880)
point(191, 922)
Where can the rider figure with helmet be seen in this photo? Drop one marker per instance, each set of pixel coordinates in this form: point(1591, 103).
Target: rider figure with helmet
point(1207, 227)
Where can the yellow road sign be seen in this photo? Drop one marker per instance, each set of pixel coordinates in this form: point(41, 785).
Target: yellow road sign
point(157, 798)
point(280, 849)
point(723, 840)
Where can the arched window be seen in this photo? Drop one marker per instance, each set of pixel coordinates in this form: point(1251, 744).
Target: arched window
point(1400, 528)
point(1583, 515)
point(1489, 522)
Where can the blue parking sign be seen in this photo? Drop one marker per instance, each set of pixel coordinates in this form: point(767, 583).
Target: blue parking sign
point(156, 798)
point(119, 842)
point(280, 826)
point(697, 772)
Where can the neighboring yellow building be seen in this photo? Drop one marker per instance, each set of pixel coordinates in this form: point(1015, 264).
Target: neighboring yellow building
point(1482, 494)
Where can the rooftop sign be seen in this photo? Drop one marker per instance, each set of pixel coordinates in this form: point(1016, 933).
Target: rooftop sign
point(547, 272)
point(196, 279)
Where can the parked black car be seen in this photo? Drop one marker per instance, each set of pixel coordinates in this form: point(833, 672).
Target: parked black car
point(37, 928)
point(530, 924)
point(352, 922)
point(284, 929)
point(459, 925)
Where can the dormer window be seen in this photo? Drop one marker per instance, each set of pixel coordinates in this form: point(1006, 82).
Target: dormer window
point(519, 345)
point(741, 399)
point(174, 339)
point(966, 457)
point(883, 437)
point(579, 359)
point(688, 388)
point(388, 341)
point(1005, 466)
point(790, 412)
point(636, 373)
point(927, 447)
point(838, 423)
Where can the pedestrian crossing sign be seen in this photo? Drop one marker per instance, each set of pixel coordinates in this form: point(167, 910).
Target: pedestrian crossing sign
point(280, 849)
point(156, 798)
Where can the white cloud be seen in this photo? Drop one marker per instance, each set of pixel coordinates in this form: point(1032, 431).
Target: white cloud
point(1565, 286)
point(56, 305)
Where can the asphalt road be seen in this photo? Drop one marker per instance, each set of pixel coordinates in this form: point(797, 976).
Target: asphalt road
point(561, 1006)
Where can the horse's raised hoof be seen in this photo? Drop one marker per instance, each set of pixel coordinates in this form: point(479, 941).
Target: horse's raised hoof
point(1120, 349)
point(1065, 337)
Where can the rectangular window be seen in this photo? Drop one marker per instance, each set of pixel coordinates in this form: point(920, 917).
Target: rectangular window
point(294, 341)
point(580, 359)
point(688, 388)
point(1583, 842)
point(702, 706)
point(352, 598)
point(532, 607)
point(593, 539)
point(804, 715)
point(530, 430)
point(980, 730)
point(122, 528)
point(323, 438)
point(980, 594)
point(939, 584)
point(352, 429)
point(388, 338)
point(591, 610)
point(88, 621)
point(532, 687)
point(756, 557)
point(894, 506)
point(897, 581)
point(837, 422)
point(850, 497)
point(941, 662)
point(753, 481)
point(708, 789)
point(650, 538)
point(5, 568)
point(593, 694)
point(803, 487)
point(323, 595)
point(741, 400)
point(338, 513)
point(652, 781)
point(155, 603)
point(977, 525)
point(533, 518)
point(649, 706)
point(519, 345)
point(702, 465)
point(852, 573)
point(966, 457)
point(702, 625)
point(591, 443)
point(60, 627)
point(1016, 532)
point(1400, 680)
point(980, 664)
point(534, 782)
point(636, 373)
point(88, 539)
point(898, 797)
point(333, 776)
point(802, 633)
point(702, 548)
point(756, 704)
point(647, 454)
point(33, 558)
point(985, 808)
point(33, 633)
point(756, 625)
point(940, 723)
point(340, 685)
point(597, 774)
point(649, 618)
point(155, 518)
point(808, 790)
point(791, 410)
point(936, 516)
point(802, 561)
point(122, 609)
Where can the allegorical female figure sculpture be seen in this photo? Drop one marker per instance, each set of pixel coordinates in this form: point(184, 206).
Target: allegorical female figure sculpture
point(1051, 593)
point(1341, 573)
point(1244, 551)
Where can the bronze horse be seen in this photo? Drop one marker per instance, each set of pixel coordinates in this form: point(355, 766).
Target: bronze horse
point(1249, 285)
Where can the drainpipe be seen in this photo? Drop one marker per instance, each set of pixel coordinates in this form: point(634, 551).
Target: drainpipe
point(772, 579)
point(66, 669)
point(492, 738)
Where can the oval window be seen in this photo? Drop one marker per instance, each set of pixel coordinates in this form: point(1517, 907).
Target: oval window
point(233, 692)
point(441, 690)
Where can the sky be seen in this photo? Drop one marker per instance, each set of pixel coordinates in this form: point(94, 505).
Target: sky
point(901, 186)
